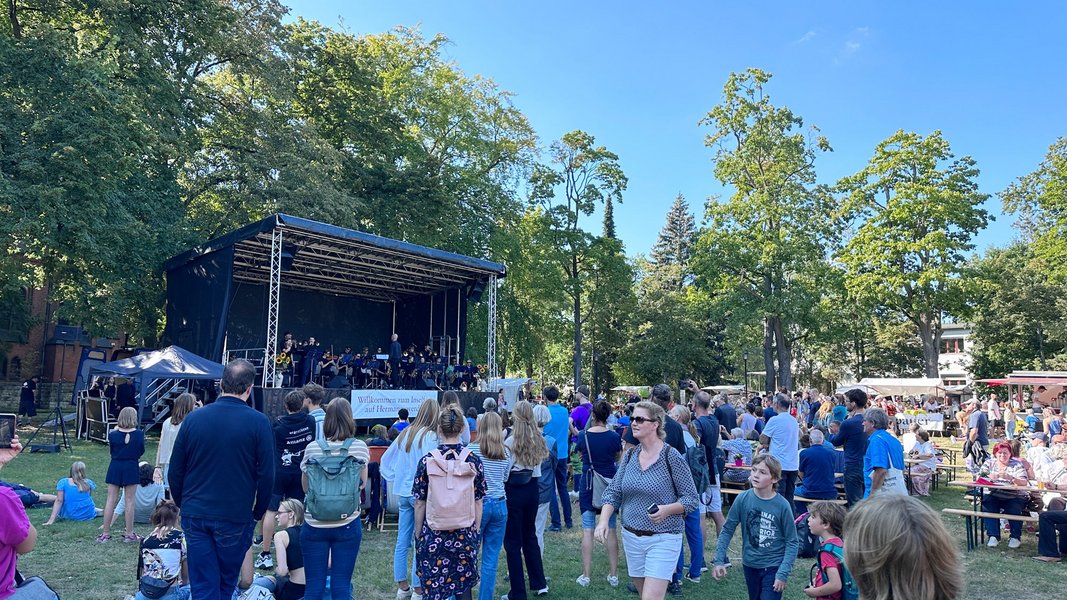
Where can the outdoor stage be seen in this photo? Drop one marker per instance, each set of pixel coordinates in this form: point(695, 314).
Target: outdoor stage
point(231, 297)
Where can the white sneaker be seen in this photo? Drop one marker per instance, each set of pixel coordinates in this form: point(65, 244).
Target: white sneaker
point(542, 591)
point(1014, 543)
point(613, 581)
point(264, 561)
point(404, 594)
point(993, 542)
point(582, 581)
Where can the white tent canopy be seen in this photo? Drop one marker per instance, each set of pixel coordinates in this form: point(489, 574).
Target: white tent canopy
point(902, 386)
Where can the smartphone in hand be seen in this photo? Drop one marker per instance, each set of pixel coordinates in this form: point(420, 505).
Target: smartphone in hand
point(7, 429)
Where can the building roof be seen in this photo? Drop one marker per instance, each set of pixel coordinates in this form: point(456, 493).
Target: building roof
point(344, 262)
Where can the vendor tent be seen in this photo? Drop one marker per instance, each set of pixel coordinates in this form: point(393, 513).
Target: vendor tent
point(903, 386)
point(158, 374)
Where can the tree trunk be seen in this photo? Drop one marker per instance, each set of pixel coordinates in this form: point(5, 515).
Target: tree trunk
point(768, 353)
point(13, 16)
point(785, 355)
point(930, 335)
point(1041, 348)
point(577, 338)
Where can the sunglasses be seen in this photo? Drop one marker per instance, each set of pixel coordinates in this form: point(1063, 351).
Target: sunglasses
point(642, 420)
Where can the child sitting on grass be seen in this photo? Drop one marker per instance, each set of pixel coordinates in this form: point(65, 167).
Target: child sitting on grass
point(150, 493)
point(825, 520)
point(768, 535)
point(74, 500)
point(161, 566)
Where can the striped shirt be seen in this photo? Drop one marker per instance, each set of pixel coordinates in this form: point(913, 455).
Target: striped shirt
point(357, 450)
point(496, 470)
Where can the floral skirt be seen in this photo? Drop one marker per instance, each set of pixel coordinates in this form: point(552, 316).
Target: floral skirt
point(447, 561)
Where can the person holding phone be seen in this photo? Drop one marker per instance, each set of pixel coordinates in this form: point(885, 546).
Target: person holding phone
point(654, 490)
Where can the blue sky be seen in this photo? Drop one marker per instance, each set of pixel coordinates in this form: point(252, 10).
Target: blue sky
point(639, 75)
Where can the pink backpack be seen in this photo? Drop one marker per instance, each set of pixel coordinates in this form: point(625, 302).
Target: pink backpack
point(450, 496)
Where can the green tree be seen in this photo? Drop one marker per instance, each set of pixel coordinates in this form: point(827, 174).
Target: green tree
point(609, 220)
point(1040, 200)
point(580, 176)
point(675, 242)
point(763, 251)
point(918, 209)
point(1016, 312)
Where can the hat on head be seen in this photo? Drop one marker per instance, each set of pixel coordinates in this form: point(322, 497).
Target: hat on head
point(971, 401)
point(1037, 436)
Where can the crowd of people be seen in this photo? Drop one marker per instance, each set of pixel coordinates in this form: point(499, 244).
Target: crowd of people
point(472, 484)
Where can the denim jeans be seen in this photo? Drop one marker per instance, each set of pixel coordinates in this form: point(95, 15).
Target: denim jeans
point(539, 525)
point(336, 546)
point(854, 484)
point(494, 522)
point(760, 583)
point(1048, 523)
point(1009, 506)
point(695, 538)
point(405, 537)
point(520, 539)
point(216, 550)
point(561, 495)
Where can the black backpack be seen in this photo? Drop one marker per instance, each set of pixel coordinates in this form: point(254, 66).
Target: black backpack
point(807, 544)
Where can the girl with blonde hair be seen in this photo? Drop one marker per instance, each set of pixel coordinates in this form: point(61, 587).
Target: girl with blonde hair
point(398, 467)
point(496, 465)
point(288, 581)
point(897, 547)
point(126, 442)
point(73, 497)
point(523, 493)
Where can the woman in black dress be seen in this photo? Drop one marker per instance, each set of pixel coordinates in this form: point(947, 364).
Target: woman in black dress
point(126, 443)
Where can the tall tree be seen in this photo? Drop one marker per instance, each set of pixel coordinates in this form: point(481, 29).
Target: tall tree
point(1016, 311)
point(764, 248)
point(580, 175)
point(1040, 200)
point(918, 209)
point(674, 246)
point(609, 220)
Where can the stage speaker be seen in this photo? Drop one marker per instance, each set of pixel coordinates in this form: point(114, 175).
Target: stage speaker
point(67, 333)
point(289, 255)
point(338, 382)
point(475, 293)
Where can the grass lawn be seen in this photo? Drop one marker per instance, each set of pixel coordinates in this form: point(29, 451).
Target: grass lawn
point(81, 569)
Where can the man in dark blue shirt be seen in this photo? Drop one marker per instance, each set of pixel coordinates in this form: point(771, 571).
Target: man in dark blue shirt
point(725, 413)
point(221, 476)
point(394, 361)
point(850, 435)
point(977, 424)
point(817, 471)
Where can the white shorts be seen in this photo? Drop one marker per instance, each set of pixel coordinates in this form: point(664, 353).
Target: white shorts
point(711, 500)
point(653, 556)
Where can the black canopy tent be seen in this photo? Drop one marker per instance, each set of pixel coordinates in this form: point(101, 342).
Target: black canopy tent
point(342, 286)
point(158, 375)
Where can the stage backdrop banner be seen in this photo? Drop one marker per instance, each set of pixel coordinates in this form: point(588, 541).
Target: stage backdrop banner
point(383, 404)
point(928, 421)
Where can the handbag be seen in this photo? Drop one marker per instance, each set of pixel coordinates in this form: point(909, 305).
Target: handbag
point(32, 588)
point(893, 483)
point(599, 482)
point(154, 587)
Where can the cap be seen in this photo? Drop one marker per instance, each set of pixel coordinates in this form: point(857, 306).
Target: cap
point(1037, 436)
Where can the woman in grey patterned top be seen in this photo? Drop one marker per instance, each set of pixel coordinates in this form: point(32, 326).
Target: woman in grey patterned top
point(653, 490)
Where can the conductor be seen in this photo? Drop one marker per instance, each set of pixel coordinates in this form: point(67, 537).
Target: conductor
point(394, 361)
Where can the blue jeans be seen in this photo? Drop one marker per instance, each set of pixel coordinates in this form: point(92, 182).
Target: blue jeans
point(405, 537)
point(176, 592)
point(561, 494)
point(335, 546)
point(494, 523)
point(760, 583)
point(216, 550)
point(1009, 506)
point(854, 484)
point(695, 538)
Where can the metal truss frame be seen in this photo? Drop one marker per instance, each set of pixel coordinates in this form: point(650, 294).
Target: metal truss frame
point(273, 298)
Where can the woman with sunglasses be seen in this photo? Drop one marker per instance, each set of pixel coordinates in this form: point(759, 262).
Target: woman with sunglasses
point(653, 489)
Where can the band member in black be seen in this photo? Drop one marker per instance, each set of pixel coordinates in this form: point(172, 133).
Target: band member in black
point(394, 361)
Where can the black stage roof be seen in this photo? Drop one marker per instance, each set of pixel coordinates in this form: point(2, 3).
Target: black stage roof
point(344, 262)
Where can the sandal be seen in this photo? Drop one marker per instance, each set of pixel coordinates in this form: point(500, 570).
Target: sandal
point(131, 537)
point(103, 537)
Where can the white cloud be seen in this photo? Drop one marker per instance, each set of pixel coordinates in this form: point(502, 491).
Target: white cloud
point(851, 47)
point(807, 37)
